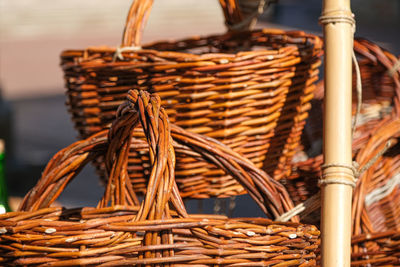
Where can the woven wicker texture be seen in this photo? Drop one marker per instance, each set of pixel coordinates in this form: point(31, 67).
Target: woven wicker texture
point(250, 90)
point(376, 125)
point(380, 93)
point(159, 232)
point(378, 249)
point(376, 197)
point(376, 200)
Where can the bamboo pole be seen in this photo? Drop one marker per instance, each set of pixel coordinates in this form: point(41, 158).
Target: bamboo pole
point(337, 176)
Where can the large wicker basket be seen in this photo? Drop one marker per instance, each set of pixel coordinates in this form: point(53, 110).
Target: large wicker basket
point(251, 90)
point(159, 232)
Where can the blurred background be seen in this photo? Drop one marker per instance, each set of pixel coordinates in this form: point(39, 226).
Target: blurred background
point(33, 117)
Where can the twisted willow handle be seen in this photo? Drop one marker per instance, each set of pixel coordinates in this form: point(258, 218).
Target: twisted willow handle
point(161, 188)
point(66, 164)
point(142, 108)
point(234, 19)
point(271, 196)
point(135, 22)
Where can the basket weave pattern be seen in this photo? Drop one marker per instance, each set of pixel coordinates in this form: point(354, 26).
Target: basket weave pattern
point(377, 195)
point(250, 90)
point(159, 231)
point(380, 93)
point(378, 123)
point(378, 249)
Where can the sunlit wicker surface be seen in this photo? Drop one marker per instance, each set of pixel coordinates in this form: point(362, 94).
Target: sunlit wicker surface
point(250, 90)
point(158, 231)
point(378, 123)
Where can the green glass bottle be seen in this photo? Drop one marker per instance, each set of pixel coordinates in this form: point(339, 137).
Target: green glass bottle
point(4, 207)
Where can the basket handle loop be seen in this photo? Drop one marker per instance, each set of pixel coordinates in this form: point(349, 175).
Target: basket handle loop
point(142, 108)
point(135, 22)
point(67, 163)
point(242, 15)
point(270, 195)
point(235, 19)
point(161, 189)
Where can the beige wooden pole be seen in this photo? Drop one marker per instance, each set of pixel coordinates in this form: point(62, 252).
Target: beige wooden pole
point(337, 175)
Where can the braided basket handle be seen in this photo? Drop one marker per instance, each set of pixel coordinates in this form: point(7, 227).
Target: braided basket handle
point(234, 19)
point(66, 164)
point(161, 188)
point(270, 195)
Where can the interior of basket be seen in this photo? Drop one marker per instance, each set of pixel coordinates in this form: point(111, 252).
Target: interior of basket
point(236, 42)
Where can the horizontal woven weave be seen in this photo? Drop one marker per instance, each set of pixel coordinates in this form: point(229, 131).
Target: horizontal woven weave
point(255, 102)
point(158, 231)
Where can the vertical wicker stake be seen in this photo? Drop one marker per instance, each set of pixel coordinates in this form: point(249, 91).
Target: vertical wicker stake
point(337, 178)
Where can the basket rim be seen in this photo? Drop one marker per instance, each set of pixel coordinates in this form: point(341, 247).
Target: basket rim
point(314, 41)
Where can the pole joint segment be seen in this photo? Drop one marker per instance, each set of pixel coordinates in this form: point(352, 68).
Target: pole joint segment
point(336, 173)
point(338, 16)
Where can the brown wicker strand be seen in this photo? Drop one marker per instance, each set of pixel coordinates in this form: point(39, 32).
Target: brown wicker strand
point(159, 232)
point(250, 90)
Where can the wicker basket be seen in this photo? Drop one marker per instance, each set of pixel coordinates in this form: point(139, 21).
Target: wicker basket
point(376, 199)
point(378, 249)
point(380, 94)
point(159, 232)
point(251, 90)
point(379, 112)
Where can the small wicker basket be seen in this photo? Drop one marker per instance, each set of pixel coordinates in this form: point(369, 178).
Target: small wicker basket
point(376, 198)
point(378, 123)
point(159, 232)
point(251, 90)
point(380, 79)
